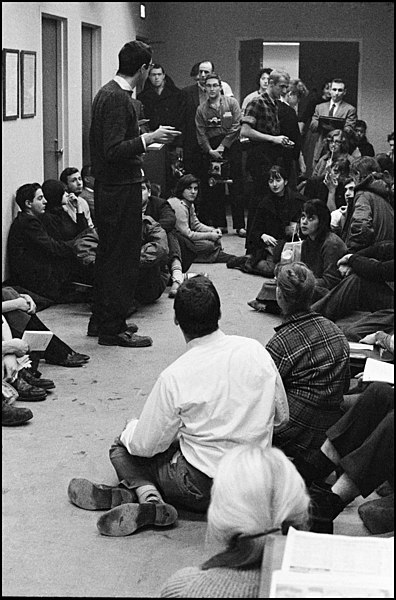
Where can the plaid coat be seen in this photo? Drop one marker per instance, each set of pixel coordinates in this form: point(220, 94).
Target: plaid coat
point(312, 356)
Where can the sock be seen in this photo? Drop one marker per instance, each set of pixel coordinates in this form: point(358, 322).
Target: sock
point(318, 467)
point(148, 493)
point(177, 274)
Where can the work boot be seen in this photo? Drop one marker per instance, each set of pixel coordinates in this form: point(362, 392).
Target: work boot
point(12, 415)
point(326, 506)
point(125, 519)
point(379, 515)
point(94, 496)
point(27, 392)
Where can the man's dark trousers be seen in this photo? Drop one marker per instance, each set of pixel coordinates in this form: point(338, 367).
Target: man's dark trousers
point(118, 211)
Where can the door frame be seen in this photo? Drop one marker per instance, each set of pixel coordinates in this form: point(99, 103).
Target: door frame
point(277, 38)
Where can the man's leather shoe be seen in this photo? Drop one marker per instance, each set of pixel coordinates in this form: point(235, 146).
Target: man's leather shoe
point(259, 306)
point(13, 415)
point(125, 339)
point(27, 392)
point(126, 518)
point(93, 496)
point(78, 355)
point(45, 384)
point(71, 360)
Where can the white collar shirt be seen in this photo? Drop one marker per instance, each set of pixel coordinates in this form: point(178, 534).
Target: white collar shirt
point(223, 391)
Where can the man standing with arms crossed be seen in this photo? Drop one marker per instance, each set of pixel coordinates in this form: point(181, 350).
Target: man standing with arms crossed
point(116, 149)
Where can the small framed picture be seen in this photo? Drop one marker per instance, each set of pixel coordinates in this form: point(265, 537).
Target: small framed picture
point(10, 84)
point(28, 84)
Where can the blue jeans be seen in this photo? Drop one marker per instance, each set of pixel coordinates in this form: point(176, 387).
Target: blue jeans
point(180, 484)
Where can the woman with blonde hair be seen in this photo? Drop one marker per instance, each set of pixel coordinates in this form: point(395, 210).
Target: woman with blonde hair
point(256, 491)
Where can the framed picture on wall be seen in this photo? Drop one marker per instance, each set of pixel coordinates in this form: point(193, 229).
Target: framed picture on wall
point(28, 84)
point(10, 84)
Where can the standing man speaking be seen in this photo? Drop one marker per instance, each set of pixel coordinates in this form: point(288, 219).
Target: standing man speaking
point(116, 148)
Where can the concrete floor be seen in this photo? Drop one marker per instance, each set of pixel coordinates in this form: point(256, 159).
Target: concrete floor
point(51, 547)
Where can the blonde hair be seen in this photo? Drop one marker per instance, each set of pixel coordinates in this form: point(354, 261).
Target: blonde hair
point(255, 490)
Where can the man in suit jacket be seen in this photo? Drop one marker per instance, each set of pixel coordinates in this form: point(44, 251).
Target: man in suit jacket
point(335, 107)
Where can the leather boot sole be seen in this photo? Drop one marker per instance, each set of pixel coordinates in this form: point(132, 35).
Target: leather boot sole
point(92, 496)
point(127, 518)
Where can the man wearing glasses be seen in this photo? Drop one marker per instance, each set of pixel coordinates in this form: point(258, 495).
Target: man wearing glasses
point(218, 126)
point(116, 156)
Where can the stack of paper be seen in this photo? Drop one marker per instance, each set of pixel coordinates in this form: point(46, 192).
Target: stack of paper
point(334, 566)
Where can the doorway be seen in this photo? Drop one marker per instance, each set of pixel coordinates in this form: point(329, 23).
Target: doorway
point(316, 63)
point(53, 96)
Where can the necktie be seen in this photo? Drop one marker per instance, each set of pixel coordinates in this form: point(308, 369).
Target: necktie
point(331, 111)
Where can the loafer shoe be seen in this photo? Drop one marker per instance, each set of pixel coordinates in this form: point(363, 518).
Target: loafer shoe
point(13, 415)
point(45, 384)
point(77, 355)
point(71, 360)
point(125, 339)
point(27, 392)
point(93, 329)
point(93, 496)
point(173, 290)
point(259, 306)
point(125, 519)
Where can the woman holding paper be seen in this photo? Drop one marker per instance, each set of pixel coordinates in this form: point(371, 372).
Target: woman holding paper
point(255, 492)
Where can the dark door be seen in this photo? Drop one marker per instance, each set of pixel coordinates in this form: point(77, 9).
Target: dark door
point(52, 142)
point(250, 61)
point(87, 88)
point(321, 61)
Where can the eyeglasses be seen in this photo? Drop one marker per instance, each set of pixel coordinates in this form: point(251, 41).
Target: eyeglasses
point(334, 141)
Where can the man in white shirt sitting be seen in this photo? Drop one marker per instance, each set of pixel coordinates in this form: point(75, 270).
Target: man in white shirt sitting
point(223, 391)
point(71, 177)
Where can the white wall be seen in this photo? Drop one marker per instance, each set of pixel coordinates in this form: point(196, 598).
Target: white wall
point(22, 159)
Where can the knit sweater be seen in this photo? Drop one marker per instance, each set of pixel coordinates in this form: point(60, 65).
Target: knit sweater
point(192, 582)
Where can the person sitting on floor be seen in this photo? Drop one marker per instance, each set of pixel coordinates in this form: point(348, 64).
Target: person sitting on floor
point(181, 249)
point(274, 223)
point(256, 492)
point(370, 217)
point(337, 149)
point(72, 179)
point(20, 313)
point(312, 356)
point(367, 283)
point(361, 443)
point(223, 391)
point(10, 414)
point(206, 239)
point(320, 251)
point(39, 262)
point(60, 225)
point(153, 272)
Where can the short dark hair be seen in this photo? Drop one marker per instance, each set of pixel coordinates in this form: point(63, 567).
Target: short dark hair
point(386, 163)
point(296, 282)
point(183, 183)
point(391, 136)
point(157, 66)
point(86, 171)
point(27, 191)
point(277, 170)
point(266, 70)
point(360, 123)
point(53, 190)
point(197, 307)
point(132, 56)
point(67, 172)
point(195, 70)
point(337, 80)
point(318, 208)
point(213, 75)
